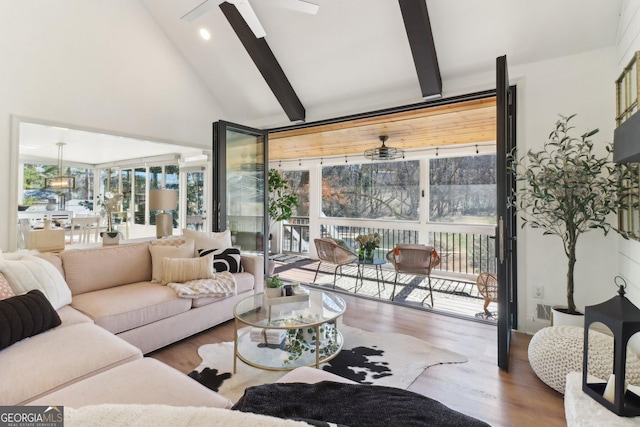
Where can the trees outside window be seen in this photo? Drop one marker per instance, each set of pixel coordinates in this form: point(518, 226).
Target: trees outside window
point(463, 189)
point(381, 190)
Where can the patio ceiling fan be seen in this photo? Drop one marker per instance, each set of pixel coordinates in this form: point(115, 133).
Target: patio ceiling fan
point(249, 14)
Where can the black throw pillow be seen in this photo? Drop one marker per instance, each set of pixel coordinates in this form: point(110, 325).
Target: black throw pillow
point(24, 316)
point(224, 259)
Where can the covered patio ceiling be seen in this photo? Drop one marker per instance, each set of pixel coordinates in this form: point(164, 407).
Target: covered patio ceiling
point(465, 122)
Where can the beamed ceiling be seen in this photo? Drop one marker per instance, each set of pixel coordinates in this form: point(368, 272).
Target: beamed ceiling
point(460, 123)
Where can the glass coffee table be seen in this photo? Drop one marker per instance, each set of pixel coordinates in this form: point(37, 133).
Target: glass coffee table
point(282, 333)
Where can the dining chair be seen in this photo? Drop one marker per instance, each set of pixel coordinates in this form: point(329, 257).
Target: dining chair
point(330, 251)
point(86, 228)
point(417, 260)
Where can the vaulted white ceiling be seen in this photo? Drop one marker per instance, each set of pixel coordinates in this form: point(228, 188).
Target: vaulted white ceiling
point(353, 55)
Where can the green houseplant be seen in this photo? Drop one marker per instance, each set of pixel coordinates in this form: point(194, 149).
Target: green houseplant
point(274, 283)
point(281, 200)
point(568, 190)
point(281, 203)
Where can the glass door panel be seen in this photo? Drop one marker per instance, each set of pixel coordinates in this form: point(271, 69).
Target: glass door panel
point(240, 200)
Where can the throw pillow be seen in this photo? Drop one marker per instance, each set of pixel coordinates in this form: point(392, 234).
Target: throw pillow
point(180, 270)
point(205, 240)
point(25, 316)
point(225, 259)
point(5, 289)
point(160, 252)
point(25, 272)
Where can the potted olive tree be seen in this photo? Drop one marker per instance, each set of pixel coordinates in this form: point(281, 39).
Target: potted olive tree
point(568, 189)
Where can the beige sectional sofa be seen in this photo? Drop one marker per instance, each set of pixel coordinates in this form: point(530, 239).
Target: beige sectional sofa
point(112, 285)
point(116, 315)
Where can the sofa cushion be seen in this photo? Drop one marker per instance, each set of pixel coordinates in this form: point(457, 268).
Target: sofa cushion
point(57, 358)
point(225, 259)
point(206, 240)
point(126, 307)
point(5, 288)
point(25, 272)
point(24, 316)
point(244, 283)
point(89, 270)
point(144, 381)
point(161, 251)
point(180, 270)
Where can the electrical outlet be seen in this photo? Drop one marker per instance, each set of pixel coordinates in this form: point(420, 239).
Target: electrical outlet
point(538, 292)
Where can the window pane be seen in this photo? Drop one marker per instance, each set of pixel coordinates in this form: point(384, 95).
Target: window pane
point(386, 190)
point(139, 196)
point(155, 183)
point(126, 189)
point(463, 189)
point(299, 184)
point(172, 182)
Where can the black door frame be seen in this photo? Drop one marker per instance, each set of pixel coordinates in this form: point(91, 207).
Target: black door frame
point(219, 174)
point(506, 230)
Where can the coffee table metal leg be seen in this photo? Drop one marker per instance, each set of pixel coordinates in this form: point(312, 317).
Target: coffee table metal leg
point(317, 346)
point(235, 345)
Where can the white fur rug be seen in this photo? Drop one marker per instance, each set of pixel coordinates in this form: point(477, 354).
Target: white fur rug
point(380, 358)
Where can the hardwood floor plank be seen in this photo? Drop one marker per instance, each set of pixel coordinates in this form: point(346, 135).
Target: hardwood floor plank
point(477, 388)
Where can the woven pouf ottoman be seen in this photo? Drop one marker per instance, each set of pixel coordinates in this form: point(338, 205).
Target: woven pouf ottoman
point(557, 350)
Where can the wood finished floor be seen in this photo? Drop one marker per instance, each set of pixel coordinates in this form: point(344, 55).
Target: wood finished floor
point(477, 388)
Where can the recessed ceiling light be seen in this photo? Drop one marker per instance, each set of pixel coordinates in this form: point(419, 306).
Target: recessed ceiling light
point(204, 33)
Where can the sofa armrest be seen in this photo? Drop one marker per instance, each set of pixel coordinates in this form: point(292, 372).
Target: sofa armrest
point(254, 264)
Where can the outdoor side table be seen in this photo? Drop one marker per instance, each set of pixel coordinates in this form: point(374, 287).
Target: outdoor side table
point(377, 263)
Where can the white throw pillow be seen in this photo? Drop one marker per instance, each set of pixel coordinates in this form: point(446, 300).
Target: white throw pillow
point(26, 272)
point(160, 252)
point(208, 240)
point(180, 270)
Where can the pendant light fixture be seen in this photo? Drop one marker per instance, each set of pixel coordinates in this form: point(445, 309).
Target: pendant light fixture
point(383, 152)
point(60, 182)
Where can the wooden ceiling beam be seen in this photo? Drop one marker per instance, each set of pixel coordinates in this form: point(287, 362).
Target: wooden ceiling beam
point(267, 64)
point(423, 49)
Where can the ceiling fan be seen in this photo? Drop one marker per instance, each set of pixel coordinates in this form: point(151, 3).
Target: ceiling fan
point(248, 13)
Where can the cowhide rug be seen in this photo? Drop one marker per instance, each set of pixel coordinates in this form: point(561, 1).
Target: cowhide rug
point(380, 358)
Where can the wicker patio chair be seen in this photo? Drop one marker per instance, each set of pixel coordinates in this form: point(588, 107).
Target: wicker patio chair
point(330, 251)
point(487, 284)
point(417, 260)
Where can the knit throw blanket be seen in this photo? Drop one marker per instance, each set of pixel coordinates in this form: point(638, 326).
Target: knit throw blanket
point(221, 285)
point(353, 405)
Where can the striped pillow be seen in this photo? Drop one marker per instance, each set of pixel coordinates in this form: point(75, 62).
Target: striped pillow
point(180, 270)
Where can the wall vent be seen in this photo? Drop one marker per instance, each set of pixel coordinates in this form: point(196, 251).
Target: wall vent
point(543, 312)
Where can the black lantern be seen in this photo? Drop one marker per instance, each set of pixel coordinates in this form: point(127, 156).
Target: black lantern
point(623, 319)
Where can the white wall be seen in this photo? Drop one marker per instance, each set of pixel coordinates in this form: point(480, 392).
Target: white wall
point(582, 84)
point(628, 44)
point(96, 64)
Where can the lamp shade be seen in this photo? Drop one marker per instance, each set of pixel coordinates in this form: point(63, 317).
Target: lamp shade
point(163, 200)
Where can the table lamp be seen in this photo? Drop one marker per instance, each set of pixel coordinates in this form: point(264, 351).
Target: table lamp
point(163, 200)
